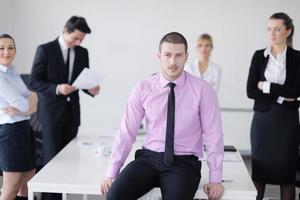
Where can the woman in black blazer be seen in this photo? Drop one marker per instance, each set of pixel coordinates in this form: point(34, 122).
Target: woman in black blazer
point(274, 84)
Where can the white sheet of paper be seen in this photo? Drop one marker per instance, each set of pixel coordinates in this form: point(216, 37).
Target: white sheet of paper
point(88, 79)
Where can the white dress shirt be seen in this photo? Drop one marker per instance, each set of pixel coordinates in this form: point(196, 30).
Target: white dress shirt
point(275, 71)
point(211, 75)
point(64, 50)
point(13, 92)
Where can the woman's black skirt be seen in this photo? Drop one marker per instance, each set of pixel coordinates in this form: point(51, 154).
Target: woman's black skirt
point(17, 147)
point(274, 142)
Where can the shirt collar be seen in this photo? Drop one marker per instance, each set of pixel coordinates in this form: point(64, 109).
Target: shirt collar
point(179, 81)
point(282, 56)
point(267, 52)
point(196, 67)
point(3, 68)
point(62, 43)
point(6, 69)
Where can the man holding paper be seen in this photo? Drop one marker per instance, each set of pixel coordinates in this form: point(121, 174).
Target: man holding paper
point(56, 66)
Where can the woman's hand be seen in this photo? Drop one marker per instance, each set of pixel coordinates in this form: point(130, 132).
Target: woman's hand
point(11, 111)
point(32, 101)
point(260, 85)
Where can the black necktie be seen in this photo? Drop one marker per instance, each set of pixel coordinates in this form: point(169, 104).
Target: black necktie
point(67, 65)
point(169, 146)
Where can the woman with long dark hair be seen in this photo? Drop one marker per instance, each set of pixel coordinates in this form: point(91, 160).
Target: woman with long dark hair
point(274, 84)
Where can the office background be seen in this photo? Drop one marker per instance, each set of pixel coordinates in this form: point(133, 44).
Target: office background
point(124, 44)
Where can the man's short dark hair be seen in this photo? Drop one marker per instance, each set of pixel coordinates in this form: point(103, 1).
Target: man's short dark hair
point(76, 22)
point(174, 38)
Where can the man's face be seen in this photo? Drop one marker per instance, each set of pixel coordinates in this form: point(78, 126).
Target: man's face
point(172, 59)
point(73, 39)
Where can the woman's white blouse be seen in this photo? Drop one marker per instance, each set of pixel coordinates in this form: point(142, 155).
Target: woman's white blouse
point(211, 75)
point(13, 92)
point(275, 71)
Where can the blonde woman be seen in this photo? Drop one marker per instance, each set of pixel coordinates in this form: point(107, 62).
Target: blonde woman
point(203, 67)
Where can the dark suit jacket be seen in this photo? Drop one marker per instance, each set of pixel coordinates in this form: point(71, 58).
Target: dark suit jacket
point(48, 71)
point(290, 88)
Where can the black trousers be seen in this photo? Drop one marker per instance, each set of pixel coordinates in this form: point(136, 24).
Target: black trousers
point(55, 138)
point(178, 182)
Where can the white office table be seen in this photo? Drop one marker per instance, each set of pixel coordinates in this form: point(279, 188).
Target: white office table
point(80, 167)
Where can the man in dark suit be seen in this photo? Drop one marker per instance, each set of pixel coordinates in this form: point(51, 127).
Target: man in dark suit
point(55, 67)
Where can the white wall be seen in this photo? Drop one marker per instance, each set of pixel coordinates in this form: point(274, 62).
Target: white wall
point(6, 16)
point(124, 43)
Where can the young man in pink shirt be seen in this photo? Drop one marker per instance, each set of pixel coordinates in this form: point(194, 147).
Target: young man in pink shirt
point(181, 112)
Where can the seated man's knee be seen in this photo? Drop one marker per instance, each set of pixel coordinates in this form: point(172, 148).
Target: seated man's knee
point(118, 192)
point(111, 195)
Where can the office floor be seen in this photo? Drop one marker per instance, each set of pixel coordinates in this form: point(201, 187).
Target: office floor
point(272, 192)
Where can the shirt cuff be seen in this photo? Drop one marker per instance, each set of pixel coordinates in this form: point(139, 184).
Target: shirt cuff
point(266, 87)
point(112, 172)
point(280, 100)
point(215, 176)
point(57, 92)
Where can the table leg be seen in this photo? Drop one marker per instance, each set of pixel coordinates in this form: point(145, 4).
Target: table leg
point(30, 194)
